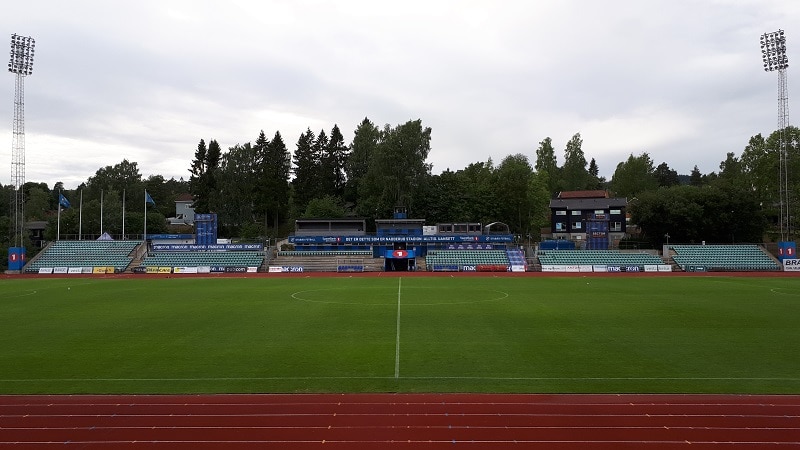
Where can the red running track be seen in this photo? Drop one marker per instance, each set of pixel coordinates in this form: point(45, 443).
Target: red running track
point(400, 421)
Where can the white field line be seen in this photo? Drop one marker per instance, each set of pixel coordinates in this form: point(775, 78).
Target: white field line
point(476, 378)
point(680, 443)
point(397, 345)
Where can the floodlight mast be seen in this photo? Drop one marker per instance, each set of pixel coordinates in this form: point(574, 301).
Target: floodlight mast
point(20, 64)
point(773, 52)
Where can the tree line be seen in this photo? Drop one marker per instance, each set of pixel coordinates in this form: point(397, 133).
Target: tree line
point(258, 188)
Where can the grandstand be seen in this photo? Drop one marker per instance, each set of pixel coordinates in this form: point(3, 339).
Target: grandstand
point(399, 244)
point(203, 258)
point(327, 261)
point(593, 257)
point(469, 260)
point(728, 257)
point(84, 254)
point(600, 261)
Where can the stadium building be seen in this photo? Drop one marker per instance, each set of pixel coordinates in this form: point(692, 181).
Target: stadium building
point(399, 244)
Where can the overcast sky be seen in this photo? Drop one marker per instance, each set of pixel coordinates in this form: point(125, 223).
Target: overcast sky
point(145, 81)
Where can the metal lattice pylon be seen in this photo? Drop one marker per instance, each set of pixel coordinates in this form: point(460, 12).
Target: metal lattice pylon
point(21, 65)
point(773, 51)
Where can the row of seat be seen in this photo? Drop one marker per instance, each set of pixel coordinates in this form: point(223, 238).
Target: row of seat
point(743, 249)
point(516, 257)
point(723, 257)
point(466, 257)
point(115, 254)
point(191, 259)
point(325, 253)
point(597, 257)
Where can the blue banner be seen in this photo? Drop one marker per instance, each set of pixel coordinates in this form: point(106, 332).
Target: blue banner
point(391, 239)
point(787, 250)
point(16, 258)
point(399, 254)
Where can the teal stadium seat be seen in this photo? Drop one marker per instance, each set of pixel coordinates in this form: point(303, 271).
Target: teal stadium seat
point(203, 258)
point(115, 254)
point(724, 257)
point(597, 257)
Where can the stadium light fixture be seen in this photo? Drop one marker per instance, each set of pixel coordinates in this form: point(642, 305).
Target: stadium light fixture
point(22, 51)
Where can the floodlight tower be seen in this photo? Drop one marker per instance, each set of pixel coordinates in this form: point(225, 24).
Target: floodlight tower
point(21, 64)
point(773, 51)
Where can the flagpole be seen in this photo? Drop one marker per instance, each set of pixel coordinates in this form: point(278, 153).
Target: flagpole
point(144, 238)
point(58, 232)
point(123, 214)
point(80, 219)
point(101, 213)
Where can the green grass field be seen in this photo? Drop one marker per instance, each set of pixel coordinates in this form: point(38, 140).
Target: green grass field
point(409, 334)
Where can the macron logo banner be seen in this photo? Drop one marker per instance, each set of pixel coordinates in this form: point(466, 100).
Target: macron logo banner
point(207, 247)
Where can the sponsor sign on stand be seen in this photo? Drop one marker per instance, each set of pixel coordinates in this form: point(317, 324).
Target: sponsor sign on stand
point(185, 270)
point(399, 254)
point(665, 268)
point(206, 247)
point(140, 269)
point(60, 270)
point(600, 268)
point(390, 239)
point(74, 270)
point(791, 265)
point(252, 269)
point(280, 269)
point(165, 270)
point(47, 270)
point(204, 269)
point(468, 268)
point(151, 269)
point(585, 269)
point(632, 269)
point(517, 268)
point(235, 269)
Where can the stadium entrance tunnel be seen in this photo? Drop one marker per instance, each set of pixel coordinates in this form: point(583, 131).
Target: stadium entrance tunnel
point(399, 259)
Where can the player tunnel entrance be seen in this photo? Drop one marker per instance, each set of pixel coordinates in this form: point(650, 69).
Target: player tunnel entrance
point(399, 259)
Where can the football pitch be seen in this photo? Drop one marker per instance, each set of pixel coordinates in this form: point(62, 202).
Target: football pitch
point(573, 334)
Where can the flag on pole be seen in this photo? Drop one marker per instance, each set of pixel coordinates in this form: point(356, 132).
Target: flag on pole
point(147, 199)
point(123, 214)
point(80, 217)
point(63, 201)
